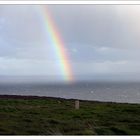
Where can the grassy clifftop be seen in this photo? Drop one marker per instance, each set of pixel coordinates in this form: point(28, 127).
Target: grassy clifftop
point(54, 116)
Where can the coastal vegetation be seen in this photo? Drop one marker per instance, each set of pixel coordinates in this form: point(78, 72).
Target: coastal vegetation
point(22, 115)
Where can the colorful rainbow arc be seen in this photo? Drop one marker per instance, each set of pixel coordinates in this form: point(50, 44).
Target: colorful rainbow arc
point(58, 44)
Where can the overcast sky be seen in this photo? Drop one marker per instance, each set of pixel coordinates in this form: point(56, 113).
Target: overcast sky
point(103, 41)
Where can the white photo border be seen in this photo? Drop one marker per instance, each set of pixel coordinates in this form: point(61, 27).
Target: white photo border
point(98, 2)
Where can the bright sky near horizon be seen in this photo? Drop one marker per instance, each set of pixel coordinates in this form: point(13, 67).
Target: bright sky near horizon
point(102, 41)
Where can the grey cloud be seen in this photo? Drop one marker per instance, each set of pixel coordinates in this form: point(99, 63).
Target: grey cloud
point(21, 24)
point(100, 40)
point(14, 66)
point(94, 24)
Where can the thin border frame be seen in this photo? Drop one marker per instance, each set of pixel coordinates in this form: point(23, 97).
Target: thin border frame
point(111, 2)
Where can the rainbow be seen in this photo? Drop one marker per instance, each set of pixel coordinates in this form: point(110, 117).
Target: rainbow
point(58, 44)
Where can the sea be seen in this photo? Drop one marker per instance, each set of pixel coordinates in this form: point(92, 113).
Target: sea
point(122, 92)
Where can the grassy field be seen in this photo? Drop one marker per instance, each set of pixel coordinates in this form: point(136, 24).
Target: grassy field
point(54, 116)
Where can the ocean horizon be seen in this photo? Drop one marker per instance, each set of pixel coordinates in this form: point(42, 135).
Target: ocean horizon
point(121, 92)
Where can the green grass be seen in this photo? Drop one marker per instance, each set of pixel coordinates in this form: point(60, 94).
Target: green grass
point(51, 116)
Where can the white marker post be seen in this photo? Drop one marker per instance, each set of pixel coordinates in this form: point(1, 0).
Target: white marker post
point(77, 104)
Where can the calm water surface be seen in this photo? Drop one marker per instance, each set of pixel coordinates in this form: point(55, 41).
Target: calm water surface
point(115, 92)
